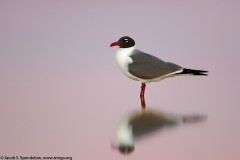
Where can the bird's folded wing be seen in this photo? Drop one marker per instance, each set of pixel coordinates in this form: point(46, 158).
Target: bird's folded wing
point(146, 66)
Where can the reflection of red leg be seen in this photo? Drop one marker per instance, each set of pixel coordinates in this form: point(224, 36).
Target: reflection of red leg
point(142, 95)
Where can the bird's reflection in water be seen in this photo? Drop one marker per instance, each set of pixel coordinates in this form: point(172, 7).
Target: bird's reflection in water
point(141, 123)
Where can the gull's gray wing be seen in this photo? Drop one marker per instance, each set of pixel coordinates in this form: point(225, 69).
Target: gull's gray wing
point(146, 66)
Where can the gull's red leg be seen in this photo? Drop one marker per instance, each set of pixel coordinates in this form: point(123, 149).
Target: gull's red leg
point(142, 95)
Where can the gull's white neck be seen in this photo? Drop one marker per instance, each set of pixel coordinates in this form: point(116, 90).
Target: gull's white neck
point(125, 51)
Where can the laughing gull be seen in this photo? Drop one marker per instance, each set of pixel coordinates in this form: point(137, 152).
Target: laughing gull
point(140, 124)
point(144, 67)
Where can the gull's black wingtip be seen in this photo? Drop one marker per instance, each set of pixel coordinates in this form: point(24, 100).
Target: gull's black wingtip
point(194, 72)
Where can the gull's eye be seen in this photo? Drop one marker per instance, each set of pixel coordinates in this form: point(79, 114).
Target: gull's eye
point(125, 40)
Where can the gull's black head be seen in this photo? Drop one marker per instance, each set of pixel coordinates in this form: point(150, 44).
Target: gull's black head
point(125, 149)
point(124, 42)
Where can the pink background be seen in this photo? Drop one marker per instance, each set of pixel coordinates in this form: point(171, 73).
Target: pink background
point(62, 93)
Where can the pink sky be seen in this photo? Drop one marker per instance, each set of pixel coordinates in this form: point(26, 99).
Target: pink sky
point(62, 93)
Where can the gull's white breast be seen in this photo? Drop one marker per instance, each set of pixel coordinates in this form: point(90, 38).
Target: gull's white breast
point(123, 59)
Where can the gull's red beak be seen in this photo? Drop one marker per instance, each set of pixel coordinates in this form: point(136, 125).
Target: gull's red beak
point(114, 44)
